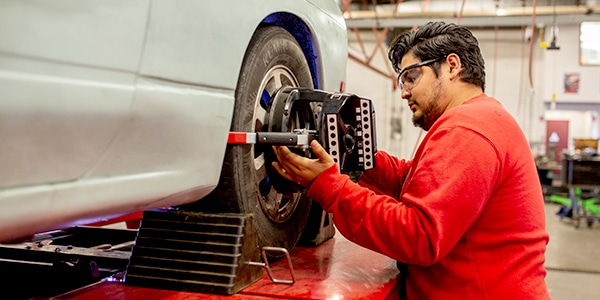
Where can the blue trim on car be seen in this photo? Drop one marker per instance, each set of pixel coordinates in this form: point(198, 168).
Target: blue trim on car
point(295, 26)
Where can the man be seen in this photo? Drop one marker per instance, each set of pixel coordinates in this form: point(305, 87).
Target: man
point(466, 214)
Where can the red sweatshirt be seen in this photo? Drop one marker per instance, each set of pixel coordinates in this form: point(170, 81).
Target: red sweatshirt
point(466, 213)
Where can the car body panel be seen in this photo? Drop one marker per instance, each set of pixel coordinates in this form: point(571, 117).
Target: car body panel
point(88, 71)
point(50, 141)
point(106, 34)
point(111, 107)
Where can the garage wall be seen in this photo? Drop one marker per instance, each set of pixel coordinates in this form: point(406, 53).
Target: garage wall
point(565, 61)
point(395, 132)
point(506, 52)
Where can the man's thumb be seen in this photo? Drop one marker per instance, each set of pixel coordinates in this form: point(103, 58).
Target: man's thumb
point(320, 152)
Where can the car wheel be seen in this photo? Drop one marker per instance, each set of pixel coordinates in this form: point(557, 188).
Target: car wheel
point(273, 60)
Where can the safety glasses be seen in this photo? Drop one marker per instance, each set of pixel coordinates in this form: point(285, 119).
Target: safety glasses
point(409, 75)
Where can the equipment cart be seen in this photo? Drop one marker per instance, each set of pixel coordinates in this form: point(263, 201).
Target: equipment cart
point(582, 173)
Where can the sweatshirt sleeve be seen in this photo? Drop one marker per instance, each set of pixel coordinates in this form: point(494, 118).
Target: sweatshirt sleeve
point(444, 195)
point(388, 177)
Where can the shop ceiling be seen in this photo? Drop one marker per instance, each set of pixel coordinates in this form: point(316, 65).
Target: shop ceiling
point(473, 13)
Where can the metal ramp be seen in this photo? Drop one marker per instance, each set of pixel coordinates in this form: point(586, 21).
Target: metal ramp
point(197, 252)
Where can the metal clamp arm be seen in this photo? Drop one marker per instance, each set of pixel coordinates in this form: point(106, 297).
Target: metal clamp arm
point(265, 265)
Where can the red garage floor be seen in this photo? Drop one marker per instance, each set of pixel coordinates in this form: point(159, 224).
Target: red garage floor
point(337, 269)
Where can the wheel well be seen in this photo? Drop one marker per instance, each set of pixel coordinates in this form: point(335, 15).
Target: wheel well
point(297, 28)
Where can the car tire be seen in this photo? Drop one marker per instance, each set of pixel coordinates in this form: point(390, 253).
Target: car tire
point(273, 60)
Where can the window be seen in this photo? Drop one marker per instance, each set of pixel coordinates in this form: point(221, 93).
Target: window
point(589, 44)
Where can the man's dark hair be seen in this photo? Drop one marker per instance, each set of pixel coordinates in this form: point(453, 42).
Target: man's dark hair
point(438, 39)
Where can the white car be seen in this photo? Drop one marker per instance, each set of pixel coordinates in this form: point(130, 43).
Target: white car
point(111, 107)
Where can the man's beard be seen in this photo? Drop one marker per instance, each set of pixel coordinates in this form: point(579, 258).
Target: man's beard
point(426, 120)
point(431, 113)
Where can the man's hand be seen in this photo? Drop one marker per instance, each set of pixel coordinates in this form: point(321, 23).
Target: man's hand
point(301, 169)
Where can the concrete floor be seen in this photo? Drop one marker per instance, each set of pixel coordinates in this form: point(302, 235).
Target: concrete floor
point(572, 257)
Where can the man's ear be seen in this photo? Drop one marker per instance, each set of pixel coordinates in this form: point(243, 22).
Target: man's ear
point(453, 61)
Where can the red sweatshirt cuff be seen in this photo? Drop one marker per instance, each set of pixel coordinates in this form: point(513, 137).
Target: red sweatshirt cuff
point(326, 188)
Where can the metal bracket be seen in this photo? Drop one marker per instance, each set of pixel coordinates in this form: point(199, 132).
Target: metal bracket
point(265, 265)
point(298, 138)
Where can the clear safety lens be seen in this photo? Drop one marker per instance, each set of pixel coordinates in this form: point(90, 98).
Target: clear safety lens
point(407, 79)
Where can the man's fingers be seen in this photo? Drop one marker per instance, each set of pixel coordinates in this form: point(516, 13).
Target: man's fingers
point(283, 152)
point(286, 158)
point(298, 168)
point(281, 170)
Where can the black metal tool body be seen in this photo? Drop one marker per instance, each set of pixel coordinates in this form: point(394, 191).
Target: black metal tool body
point(344, 124)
